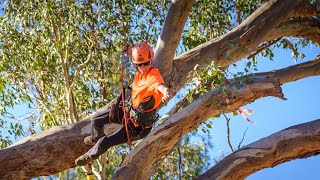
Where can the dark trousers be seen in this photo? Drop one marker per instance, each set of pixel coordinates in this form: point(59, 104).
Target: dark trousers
point(104, 142)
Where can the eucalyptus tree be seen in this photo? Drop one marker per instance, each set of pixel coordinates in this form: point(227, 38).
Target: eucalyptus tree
point(61, 59)
point(202, 34)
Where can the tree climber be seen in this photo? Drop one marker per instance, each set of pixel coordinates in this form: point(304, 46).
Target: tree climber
point(148, 89)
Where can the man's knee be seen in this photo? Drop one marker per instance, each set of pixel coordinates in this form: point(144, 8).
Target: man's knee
point(100, 118)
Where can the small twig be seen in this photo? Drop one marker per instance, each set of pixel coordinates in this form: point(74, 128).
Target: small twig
point(261, 48)
point(294, 49)
point(60, 176)
point(244, 134)
point(179, 152)
point(11, 116)
point(180, 158)
point(103, 165)
point(87, 169)
point(96, 172)
point(40, 101)
point(228, 132)
point(80, 66)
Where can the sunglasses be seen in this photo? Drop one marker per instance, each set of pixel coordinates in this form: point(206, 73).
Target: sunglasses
point(143, 64)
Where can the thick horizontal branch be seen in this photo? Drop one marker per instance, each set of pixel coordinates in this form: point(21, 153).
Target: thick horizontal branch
point(46, 153)
point(38, 154)
point(236, 44)
point(299, 141)
point(308, 27)
point(294, 73)
point(289, 74)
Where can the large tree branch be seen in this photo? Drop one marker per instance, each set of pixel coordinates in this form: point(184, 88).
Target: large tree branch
point(289, 74)
point(296, 72)
point(170, 35)
point(305, 9)
point(299, 141)
point(236, 44)
point(40, 154)
point(298, 27)
point(47, 152)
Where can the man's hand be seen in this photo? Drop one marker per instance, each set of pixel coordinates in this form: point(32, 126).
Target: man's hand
point(127, 49)
point(165, 91)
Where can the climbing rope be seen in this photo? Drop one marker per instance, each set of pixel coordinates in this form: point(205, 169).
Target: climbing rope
point(126, 122)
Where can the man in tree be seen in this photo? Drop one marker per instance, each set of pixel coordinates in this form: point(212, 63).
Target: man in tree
point(148, 89)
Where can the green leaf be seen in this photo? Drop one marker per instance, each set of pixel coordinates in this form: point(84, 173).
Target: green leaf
point(208, 125)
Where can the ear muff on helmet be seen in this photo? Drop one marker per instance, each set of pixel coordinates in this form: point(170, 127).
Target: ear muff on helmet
point(142, 52)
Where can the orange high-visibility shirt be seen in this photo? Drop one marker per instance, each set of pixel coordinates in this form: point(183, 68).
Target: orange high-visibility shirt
point(145, 86)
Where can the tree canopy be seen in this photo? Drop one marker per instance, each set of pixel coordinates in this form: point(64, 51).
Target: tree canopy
point(60, 59)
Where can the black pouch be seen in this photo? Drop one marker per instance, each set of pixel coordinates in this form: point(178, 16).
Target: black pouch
point(115, 110)
point(144, 118)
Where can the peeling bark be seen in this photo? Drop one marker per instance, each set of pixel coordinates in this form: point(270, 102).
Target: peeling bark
point(299, 141)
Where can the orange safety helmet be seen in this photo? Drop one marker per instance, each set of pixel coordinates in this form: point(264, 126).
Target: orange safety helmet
point(142, 53)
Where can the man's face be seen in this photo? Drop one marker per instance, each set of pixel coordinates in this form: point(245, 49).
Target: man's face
point(144, 67)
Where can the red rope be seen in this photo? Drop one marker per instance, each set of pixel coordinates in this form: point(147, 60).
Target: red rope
point(124, 107)
point(122, 20)
point(126, 122)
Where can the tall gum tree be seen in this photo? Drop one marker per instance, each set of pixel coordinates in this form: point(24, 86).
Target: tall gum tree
point(36, 155)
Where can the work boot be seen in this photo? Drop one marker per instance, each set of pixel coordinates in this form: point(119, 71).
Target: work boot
point(89, 141)
point(83, 160)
